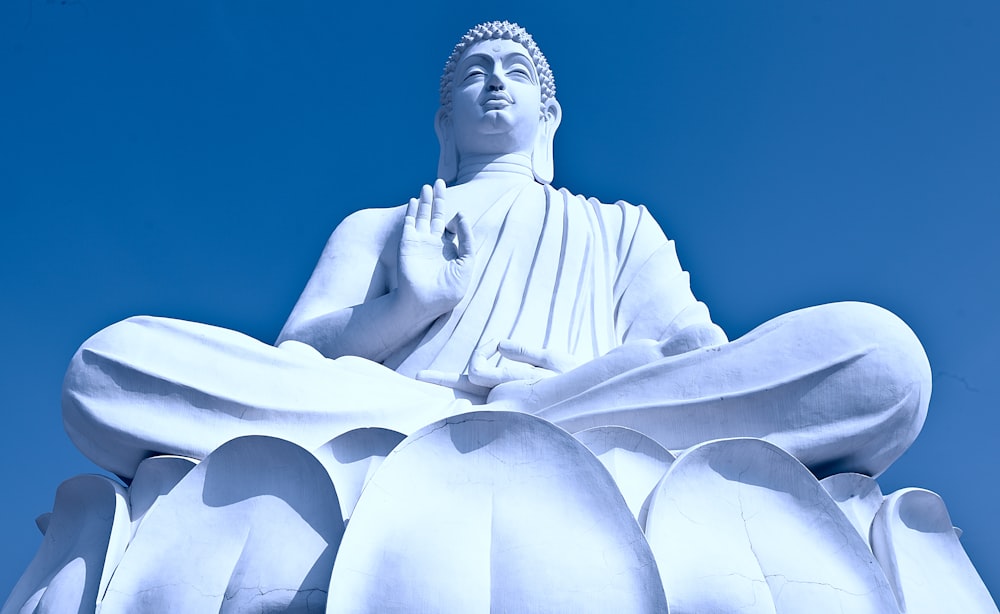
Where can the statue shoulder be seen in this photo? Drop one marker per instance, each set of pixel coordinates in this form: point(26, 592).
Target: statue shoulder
point(370, 224)
point(622, 205)
point(621, 214)
point(366, 231)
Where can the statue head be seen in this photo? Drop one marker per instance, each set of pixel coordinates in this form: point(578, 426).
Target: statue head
point(497, 97)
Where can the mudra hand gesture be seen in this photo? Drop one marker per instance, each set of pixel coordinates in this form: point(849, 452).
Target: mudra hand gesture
point(524, 364)
point(434, 272)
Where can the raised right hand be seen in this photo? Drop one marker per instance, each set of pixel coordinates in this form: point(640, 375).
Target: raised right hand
point(433, 272)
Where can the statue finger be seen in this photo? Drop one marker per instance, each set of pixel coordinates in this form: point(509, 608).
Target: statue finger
point(438, 209)
point(423, 221)
point(518, 371)
point(519, 352)
point(490, 376)
point(481, 372)
point(485, 351)
point(480, 360)
point(464, 234)
point(557, 362)
point(411, 213)
point(487, 376)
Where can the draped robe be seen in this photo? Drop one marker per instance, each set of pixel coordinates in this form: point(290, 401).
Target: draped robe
point(559, 274)
point(843, 387)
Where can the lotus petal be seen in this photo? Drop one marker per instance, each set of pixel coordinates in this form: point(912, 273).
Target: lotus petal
point(252, 528)
point(739, 525)
point(352, 458)
point(155, 477)
point(84, 540)
point(913, 538)
point(635, 461)
point(858, 496)
point(493, 512)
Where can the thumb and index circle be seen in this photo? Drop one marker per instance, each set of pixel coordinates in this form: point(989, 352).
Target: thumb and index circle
point(458, 224)
point(465, 236)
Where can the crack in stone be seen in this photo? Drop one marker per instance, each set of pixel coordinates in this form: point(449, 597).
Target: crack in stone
point(826, 584)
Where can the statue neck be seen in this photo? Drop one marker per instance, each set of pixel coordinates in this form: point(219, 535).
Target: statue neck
point(502, 166)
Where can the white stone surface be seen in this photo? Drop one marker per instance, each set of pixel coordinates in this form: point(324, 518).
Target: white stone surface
point(155, 477)
point(914, 540)
point(739, 525)
point(858, 496)
point(84, 541)
point(352, 458)
point(253, 528)
point(493, 512)
point(635, 461)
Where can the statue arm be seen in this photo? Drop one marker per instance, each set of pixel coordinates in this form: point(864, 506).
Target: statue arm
point(347, 308)
point(658, 305)
point(367, 299)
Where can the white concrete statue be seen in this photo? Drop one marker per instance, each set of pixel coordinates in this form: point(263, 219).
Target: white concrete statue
point(494, 289)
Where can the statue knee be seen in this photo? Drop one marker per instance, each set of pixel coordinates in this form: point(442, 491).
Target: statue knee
point(887, 387)
point(91, 427)
point(900, 362)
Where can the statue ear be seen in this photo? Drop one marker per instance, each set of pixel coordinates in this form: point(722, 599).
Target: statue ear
point(448, 158)
point(541, 156)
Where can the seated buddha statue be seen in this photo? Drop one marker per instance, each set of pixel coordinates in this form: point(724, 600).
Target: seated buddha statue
point(494, 290)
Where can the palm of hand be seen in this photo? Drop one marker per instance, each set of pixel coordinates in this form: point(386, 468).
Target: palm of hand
point(434, 272)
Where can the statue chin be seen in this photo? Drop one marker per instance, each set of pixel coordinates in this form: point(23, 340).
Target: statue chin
point(499, 121)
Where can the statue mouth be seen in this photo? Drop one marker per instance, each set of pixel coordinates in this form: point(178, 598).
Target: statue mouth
point(497, 103)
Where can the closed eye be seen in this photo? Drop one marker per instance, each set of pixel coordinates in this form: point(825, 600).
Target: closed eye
point(521, 72)
point(475, 72)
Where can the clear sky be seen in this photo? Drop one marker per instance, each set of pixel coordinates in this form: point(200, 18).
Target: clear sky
point(189, 159)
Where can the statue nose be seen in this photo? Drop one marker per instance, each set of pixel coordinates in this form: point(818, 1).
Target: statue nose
point(494, 83)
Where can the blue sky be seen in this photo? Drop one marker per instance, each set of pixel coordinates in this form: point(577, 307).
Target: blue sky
point(189, 159)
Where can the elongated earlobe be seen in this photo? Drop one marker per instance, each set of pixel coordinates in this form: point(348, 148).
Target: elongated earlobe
point(542, 165)
point(448, 158)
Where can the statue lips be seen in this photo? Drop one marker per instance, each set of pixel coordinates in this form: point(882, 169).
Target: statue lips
point(497, 102)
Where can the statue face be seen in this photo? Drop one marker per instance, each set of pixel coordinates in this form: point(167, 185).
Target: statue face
point(496, 99)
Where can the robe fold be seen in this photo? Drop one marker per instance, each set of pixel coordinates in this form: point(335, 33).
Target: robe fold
point(559, 274)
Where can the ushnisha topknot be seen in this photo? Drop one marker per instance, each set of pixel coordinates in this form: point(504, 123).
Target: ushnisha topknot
point(494, 30)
